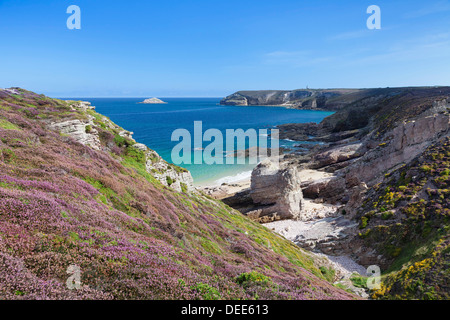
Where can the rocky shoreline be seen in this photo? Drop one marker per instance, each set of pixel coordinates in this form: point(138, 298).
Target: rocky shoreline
point(314, 99)
point(316, 199)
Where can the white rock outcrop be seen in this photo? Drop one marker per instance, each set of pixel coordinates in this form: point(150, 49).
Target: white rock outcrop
point(169, 175)
point(82, 132)
point(277, 191)
point(81, 105)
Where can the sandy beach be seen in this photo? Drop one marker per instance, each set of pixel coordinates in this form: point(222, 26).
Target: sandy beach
point(229, 186)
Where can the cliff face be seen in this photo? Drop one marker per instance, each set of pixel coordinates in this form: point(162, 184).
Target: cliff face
point(405, 218)
point(330, 99)
point(90, 199)
point(387, 160)
point(84, 131)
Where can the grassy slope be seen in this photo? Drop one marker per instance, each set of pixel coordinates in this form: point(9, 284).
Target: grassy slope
point(62, 203)
point(406, 218)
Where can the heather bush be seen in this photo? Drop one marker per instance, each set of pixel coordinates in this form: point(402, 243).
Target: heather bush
point(63, 203)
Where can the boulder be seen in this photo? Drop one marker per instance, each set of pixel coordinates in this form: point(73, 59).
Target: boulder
point(277, 191)
point(339, 154)
point(330, 188)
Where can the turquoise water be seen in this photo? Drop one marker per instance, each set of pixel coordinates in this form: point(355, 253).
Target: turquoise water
point(153, 125)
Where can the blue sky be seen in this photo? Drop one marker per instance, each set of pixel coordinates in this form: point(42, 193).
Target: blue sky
point(212, 48)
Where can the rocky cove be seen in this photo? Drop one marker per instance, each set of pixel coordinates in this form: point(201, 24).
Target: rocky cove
point(77, 192)
point(314, 198)
point(317, 198)
point(374, 191)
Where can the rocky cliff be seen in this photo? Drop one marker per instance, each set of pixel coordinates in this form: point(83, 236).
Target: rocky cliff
point(403, 226)
point(77, 193)
point(386, 159)
point(84, 131)
point(315, 99)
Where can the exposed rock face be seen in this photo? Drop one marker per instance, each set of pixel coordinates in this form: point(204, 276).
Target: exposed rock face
point(79, 131)
point(301, 99)
point(153, 101)
point(387, 154)
point(82, 105)
point(235, 99)
point(169, 175)
point(126, 134)
point(332, 189)
point(339, 154)
point(85, 133)
point(277, 191)
point(400, 145)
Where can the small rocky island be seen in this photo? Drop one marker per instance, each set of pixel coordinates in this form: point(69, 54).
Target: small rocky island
point(153, 101)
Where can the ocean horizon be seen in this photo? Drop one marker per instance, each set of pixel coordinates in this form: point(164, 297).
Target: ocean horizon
point(153, 124)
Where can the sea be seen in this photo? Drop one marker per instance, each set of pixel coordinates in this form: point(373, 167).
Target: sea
point(153, 125)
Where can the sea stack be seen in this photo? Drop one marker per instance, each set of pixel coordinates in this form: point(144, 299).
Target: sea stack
point(153, 101)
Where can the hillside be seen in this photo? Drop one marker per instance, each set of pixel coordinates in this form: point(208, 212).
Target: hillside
point(379, 192)
point(76, 189)
point(314, 99)
point(406, 218)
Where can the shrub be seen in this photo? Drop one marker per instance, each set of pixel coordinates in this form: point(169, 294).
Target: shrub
point(364, 221)
point(252, 276)
point(169, 180)
point(5, 124)
point(122, 141)
point(88, 128)
point(136, 155)
point(8, 155)
point(328, 273)
point(206, 291)
point(387, 215)
point(359, 281)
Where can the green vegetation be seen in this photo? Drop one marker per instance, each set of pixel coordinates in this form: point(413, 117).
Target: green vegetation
point(5, 124)
point(122, 141)
point(252, 277)
point(359, 281)
point(206, 292)
point(328, 273)
point(410, 226)
point(65, 203)
point(169, 180)
point(8, 155)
